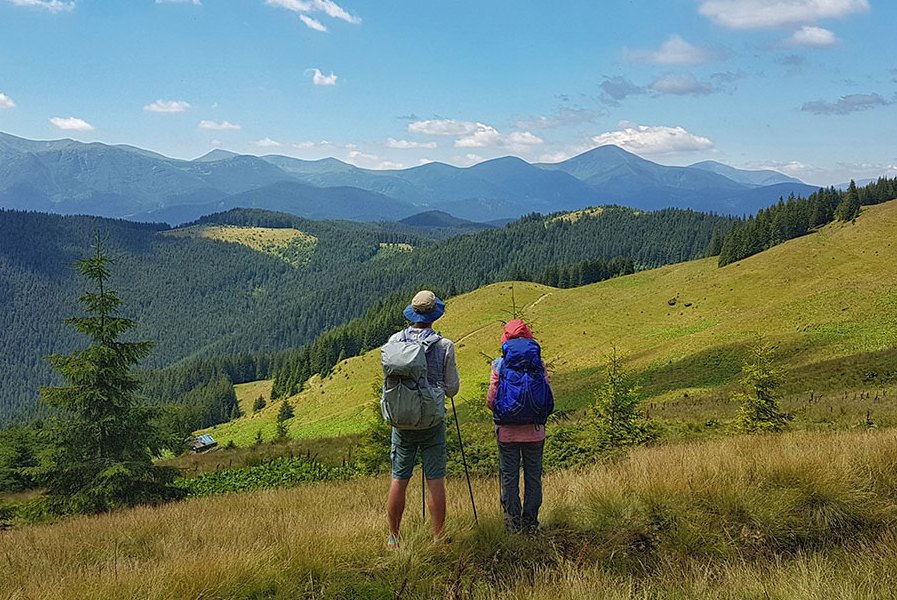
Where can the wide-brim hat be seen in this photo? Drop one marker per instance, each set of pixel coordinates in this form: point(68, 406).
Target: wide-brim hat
point(425, 307)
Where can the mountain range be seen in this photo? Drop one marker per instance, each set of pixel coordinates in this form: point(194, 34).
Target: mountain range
point(71, 177)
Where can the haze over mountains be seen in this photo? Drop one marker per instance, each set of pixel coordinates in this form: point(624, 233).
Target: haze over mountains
point(70, 177)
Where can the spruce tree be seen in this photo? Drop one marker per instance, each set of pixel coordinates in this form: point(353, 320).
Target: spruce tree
point(758, 401)
point(616, 408)
point(849, 207)
point(100, 447)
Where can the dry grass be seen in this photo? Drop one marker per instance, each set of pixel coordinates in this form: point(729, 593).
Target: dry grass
point(803, 515)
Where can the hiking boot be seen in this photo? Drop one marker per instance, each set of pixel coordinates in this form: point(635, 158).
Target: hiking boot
point(392, 543)
point(512, 523)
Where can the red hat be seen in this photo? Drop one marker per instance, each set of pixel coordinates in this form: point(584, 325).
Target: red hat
point(516, 328)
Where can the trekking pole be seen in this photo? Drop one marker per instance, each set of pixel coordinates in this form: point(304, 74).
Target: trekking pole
point(464, 460)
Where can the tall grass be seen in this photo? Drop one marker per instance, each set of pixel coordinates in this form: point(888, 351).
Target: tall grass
point(801, 515)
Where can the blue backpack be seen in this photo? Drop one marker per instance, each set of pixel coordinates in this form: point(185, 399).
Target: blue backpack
point(524, 397)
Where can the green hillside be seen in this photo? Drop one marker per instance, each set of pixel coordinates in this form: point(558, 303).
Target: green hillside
point(827, 300)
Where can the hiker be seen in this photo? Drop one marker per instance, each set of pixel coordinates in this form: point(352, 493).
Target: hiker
point(520, 399)
point(419, 371)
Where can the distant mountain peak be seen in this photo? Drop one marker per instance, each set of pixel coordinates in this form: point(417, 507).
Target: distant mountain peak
point(216, 155)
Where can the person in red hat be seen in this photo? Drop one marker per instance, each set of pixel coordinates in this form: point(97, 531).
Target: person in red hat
point(520, 399)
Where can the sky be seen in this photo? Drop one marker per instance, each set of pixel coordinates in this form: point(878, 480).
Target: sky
point(806, 87)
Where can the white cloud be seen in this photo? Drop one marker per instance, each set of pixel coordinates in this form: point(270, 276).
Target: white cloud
point(761, 14)
point(643, 139)
point(442, 127)
point(319, 78)
point(71, 124)
point(54, 6)
point(309, 144)
point(472, 134)
point(313, 23)
point(469, 159)
point(674, 51)
point(524, 138)
point(407, 145)
point(684, 84)
point(388, 164)
point(167, 106)
point(486, 136)
point(266, 143)
point(215, 143)
point(328, 7)
point(483, 136)
point(554, 157)
point(6, 101)
point(216, 126)
point(815, 37)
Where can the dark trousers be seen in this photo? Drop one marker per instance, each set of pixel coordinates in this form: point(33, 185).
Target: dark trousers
point(510, 458)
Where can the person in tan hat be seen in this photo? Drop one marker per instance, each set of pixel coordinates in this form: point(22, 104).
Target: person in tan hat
point(426, 439)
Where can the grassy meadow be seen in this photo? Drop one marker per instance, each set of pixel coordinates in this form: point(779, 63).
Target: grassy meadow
point(827, 301)
point(803, 515)
point(291, 245)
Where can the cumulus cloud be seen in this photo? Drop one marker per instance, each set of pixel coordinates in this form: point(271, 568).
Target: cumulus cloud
point(71, 124)
point(167, 106)
point(482, 136)
point(684, 84)
point(674, 51)
point(407, 144)
point(6, 101)
point(761, 14)
point(54, 6)
point(319, 78)
point(313, 23)
point(309, 144)
point(814, 37)
point(442, 127)
point(327, 7)
point(471, 134)
point(218, 126)
point(563, 117)
point(643, 139)
point(388, 164)
point(469, 159)
point(845, 104)
point(266, 143)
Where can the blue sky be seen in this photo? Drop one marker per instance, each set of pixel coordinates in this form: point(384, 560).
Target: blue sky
point(808, 87)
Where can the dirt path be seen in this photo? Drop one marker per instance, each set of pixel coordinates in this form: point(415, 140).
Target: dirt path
point(479, 329)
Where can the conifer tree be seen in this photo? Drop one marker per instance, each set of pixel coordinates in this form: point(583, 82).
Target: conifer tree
point(100, 448)
point(616, 408)
point(758, 401)
point(849, 207)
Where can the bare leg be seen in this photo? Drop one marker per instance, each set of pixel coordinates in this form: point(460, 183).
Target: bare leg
point(395, 505)
point(436, 504)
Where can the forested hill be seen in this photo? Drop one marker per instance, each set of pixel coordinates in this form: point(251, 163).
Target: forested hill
point(199, 296)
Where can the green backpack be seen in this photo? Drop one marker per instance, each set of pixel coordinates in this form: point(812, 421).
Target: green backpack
point(408, 400)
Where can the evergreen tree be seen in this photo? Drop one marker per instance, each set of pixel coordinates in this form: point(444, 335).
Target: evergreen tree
point(616, 408)
point(849, 207)
point(259, 404)
point(100, 449)
point(758, 400)
point(285, 412)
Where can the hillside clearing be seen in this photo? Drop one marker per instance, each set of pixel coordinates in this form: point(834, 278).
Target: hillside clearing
point(826, 300)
